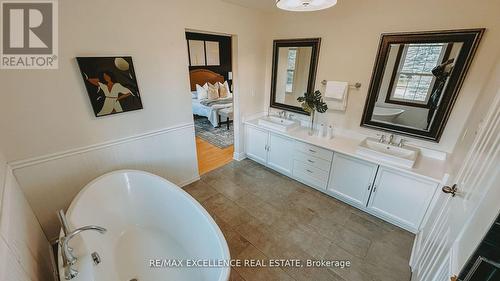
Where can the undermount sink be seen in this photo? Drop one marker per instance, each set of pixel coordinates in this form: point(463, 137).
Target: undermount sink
point(279, 124)
point(403, 156)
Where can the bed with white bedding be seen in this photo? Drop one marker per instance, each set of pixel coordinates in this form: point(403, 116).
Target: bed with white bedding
point(200, 108)
point(208, 107)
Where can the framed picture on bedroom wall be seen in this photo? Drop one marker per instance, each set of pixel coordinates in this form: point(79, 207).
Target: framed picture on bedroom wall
point(204, 53)
point(197, 53)
point(111, 84)
point(212, 53)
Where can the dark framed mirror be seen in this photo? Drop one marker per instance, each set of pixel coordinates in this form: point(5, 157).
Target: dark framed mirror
point(294, 72)
point(416, 79)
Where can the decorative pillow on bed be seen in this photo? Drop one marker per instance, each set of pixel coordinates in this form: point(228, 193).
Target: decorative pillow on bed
point(194, 95)
point(224, 91)
point(202, 92)
point(213, 91)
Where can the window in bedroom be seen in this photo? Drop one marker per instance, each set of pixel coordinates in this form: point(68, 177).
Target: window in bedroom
point(412, 82)
point(292, 63)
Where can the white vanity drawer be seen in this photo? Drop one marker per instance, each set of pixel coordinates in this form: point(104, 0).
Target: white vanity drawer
point(310, 175)
point(309, 149)
point(312, 160)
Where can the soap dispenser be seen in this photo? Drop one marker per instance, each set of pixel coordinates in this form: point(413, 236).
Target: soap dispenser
point(321, 131)
point(330, 132)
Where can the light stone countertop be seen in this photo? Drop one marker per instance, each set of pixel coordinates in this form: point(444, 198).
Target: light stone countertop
point(426, 167)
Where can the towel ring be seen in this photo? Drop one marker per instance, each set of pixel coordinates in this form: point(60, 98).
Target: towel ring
point(356, 85)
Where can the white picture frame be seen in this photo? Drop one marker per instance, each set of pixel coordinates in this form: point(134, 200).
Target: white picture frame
point(197, 52)
point(212, 53)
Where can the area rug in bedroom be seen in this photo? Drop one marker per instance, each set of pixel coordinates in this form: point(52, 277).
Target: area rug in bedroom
point(220, 137)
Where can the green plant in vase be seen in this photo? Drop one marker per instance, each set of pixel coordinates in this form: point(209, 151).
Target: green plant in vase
point(312, 102)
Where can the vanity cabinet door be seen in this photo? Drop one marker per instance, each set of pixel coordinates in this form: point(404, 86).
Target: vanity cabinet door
point(256, 144)
point(401, 198)
point(280, 156)
point(351, 179)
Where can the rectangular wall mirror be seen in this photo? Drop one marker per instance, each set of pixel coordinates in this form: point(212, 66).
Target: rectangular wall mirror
point(416, 79)
point(294, 71)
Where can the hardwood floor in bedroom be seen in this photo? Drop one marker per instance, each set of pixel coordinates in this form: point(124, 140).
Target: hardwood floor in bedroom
point(210, 157)
point(265, 215)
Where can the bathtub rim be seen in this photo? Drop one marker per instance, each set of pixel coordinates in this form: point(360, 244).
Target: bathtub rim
point(226, 271)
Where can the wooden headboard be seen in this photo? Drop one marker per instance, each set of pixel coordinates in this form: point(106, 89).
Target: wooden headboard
point(202, 76)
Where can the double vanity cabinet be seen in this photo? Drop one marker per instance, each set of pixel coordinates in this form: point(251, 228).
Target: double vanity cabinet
point(395, 195)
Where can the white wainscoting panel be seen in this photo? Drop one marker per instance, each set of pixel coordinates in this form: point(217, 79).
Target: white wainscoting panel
point(51, 182)
point(10, 268)
point(25, 253)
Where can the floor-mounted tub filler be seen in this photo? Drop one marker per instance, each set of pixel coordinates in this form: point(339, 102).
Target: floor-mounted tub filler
point(146, 229)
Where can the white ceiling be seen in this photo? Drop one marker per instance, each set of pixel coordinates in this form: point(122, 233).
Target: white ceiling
point(265, 5)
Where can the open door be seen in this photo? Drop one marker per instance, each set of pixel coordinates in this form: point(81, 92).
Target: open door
point(440, 250)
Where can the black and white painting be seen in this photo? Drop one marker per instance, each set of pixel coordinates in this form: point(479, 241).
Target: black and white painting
point(111, 84)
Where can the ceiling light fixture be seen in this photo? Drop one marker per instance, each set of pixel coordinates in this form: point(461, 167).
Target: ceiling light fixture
point(305, 5)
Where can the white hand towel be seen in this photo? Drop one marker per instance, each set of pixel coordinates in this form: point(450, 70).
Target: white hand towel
point(334, 104)
point(336, 90)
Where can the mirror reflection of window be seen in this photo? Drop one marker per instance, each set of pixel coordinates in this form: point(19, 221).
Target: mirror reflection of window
point(416, 78)
point(293, 74)
point(292, 63)
point(414, 81)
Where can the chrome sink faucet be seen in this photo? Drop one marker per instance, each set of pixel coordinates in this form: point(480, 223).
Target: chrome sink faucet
point(382, 138)
point(68, 257)
point(401, 142)
point(391, 140)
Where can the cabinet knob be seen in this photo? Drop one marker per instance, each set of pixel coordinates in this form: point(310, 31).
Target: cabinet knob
point(310, 161)
point(369, 186)
point(374, 188)
point(313, 151)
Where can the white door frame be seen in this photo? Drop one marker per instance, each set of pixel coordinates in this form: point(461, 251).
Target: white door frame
point(237, 122)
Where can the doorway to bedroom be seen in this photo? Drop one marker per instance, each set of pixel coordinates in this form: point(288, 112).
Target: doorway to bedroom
point(211, 82)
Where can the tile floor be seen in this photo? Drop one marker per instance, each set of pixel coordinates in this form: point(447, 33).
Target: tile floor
point(265, 215)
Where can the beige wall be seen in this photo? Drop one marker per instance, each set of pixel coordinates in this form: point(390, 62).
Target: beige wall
point(45, 112)
point(350, 35)
point(49, 131)
point(49, 111)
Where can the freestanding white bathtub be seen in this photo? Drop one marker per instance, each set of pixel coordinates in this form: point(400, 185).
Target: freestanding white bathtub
point(147, 218)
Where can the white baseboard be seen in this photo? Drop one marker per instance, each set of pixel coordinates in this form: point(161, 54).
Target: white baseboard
point(190, 181)
point(238, 156)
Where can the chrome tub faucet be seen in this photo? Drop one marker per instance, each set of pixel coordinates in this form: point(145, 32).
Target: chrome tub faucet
point(68, 257)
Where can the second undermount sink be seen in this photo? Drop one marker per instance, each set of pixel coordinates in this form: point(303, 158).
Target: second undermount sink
point(279, 124)
point(403, 156)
